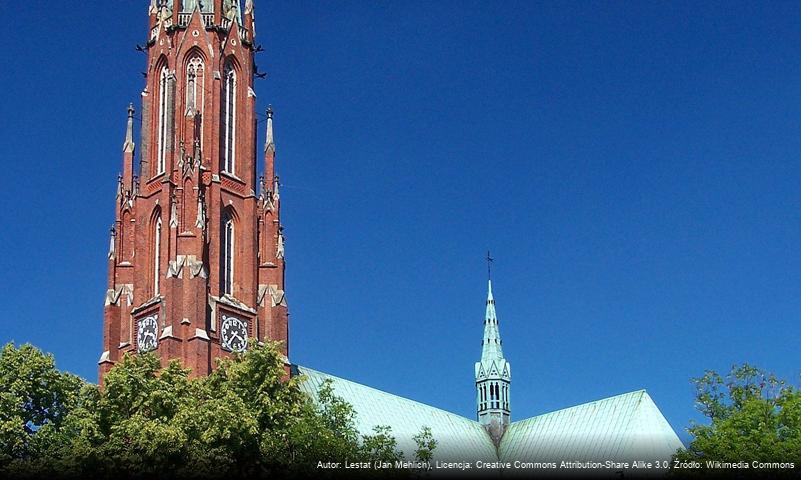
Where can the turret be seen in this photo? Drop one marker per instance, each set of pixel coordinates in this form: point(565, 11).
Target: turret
point(272, 297)
point(493, 375)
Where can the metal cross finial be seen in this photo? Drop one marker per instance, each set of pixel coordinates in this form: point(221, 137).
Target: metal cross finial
point(489, 265)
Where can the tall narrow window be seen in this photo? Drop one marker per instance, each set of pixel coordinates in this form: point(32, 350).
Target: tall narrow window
point(194, 94)
point(229, 120)
point(163, 123)
point(194, 85)
point(228, 256)
point(157, 256)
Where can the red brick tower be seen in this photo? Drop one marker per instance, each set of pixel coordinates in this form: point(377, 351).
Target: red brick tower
point(196, 261)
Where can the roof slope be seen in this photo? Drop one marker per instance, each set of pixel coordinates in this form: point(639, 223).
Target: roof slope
point(457, 437)
point(626, 427)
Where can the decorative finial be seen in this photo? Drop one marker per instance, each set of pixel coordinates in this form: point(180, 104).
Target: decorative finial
point(489, 265)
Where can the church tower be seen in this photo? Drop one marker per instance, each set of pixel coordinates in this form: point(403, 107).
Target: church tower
point(493, 376)
point(196, 256)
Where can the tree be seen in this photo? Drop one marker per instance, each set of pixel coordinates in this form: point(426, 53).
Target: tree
point(425, 445)
point(245, 419)
point(753, 416)
point(381, 445)
point(34, 398)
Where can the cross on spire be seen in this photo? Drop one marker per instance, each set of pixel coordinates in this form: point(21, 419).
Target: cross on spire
point(489, 265)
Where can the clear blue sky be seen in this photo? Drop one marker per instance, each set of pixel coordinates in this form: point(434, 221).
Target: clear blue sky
point(635, 168)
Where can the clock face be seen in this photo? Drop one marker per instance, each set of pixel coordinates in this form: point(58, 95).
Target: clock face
point(233, 334)
point(147, 338)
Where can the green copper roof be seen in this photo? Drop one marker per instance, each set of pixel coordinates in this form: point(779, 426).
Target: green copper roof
point(625, 427)
point(458, 438)
point(622, 428)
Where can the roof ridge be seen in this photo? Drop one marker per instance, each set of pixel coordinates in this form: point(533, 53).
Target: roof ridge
point(606, 399)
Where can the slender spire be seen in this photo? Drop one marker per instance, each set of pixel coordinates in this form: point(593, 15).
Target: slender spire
point(491, 344)
point(269, 142)
point(492, 337)
point(126, 180)
point(493, 372)
point(128, 146)
point(270, 179)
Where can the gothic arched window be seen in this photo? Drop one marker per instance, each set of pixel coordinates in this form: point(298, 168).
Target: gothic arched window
point(194, 94)
point(194, 85)
point(227, 255)
point(229, 120)
point(156, 254)
point(163, 120)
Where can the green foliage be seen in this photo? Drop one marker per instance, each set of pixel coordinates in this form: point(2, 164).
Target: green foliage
point(245, 419)
point(381, 445)
point(34, 397)
point(425, 445)
point(753, 415)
